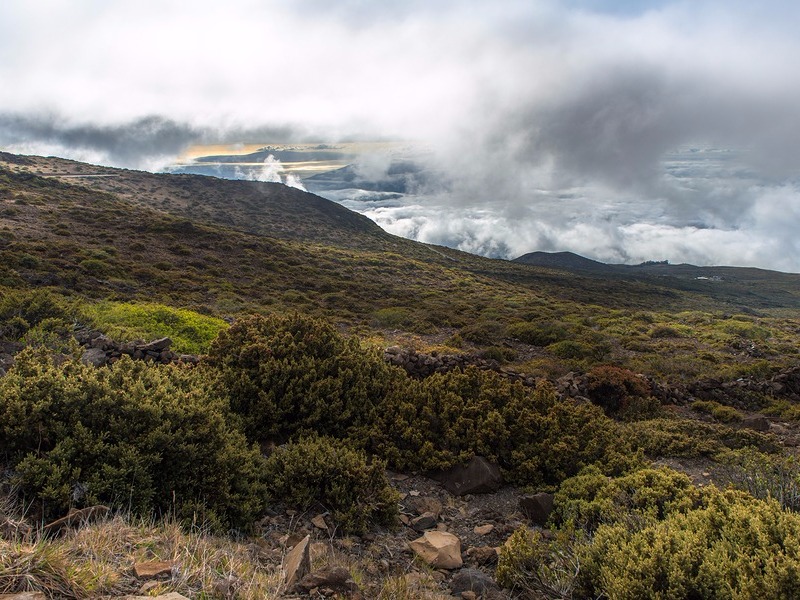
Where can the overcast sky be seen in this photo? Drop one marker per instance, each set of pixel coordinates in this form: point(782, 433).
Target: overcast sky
point(556, 124)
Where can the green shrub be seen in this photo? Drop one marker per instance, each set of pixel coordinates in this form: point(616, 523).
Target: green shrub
point(764, 476)
point(392, 317)
point(691, 439)
point(31, 307)
point(326, 472)
point(294, 375)
point(536, 567)
point(722, 413)
point(732, 547)
point(591, 499)
point(539, 333)
point(138, 437)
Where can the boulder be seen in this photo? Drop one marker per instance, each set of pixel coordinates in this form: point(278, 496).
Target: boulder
point(478, 476)
point(439, 549)
point(537, 507)
point(472, 580)
point(297, 563)
point(156, 345)
point(756, 423)
point(94, 356)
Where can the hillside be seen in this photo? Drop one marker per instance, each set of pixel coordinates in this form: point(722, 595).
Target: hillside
point(342, 387)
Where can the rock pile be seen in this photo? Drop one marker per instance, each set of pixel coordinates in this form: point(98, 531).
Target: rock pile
point(102, 350)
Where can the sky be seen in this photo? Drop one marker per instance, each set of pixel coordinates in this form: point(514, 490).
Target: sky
point(624, 131)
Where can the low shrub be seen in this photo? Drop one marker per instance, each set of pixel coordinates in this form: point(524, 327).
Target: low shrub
point(324, 471)
point(732, 547)
point(621, 393)
point(139, 437)
point(720, 412)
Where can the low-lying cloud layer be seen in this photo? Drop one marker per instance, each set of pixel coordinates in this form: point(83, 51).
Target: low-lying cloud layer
point(555, 125)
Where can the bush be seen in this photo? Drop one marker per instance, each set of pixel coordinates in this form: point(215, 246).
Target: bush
point(732, 547)
point(295, 375)
point(722, 413)
point(324, 471)
point(139, 437)
point(540, 333)
point(22, 309)
point(621, 393)
point(591, 499)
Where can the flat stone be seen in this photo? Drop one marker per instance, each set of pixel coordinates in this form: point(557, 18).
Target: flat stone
point(153, 569)
point(424, 504)
point(484, 529)
point(439, 549)
point(483, 555)
point(156, 345)
point(337, 579)
point(297, 563)
point(319, 522)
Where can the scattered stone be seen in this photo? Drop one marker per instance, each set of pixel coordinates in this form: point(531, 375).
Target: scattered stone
point(297, 563)
point(537, 507)
point(483, 529)
point(439, 549)
point(405, 520)
point(319, 522)
point(479, 476)
point(337, 579)
point(483, 555)
point(756, 423)
point(153, 569)
point(472, 580)
point(424, 522)
point(148, 586)
point(77, 517)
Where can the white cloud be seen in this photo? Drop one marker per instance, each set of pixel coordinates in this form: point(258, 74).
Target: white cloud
point(552, 120)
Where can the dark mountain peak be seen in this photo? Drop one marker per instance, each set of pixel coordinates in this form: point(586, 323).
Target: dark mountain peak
point(568, 261)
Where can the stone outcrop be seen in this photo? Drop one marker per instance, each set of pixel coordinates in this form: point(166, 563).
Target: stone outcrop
point(537, 507)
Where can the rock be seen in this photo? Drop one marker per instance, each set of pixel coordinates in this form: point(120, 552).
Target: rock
point(337, 579)
point(439, 549)
point(537, 507)
point(424, 504)
point(469, 595)
point(170, 596)
point(95, 357)
point(153, 569)
point(24, 596)
point(484, 529)
point(756, 423)
point(319, 522)
point(479, 476)
point(77, 517)
point(156, 345)
point(472, 580)
point(424, 522)
point(297, 563)
point(483, 555)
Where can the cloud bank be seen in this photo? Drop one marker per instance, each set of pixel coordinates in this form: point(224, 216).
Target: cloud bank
point(556, 125)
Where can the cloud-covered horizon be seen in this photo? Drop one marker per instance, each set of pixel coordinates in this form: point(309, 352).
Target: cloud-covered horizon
point(557, 125)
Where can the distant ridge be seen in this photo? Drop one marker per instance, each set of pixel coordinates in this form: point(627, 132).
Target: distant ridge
point(568, 261)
